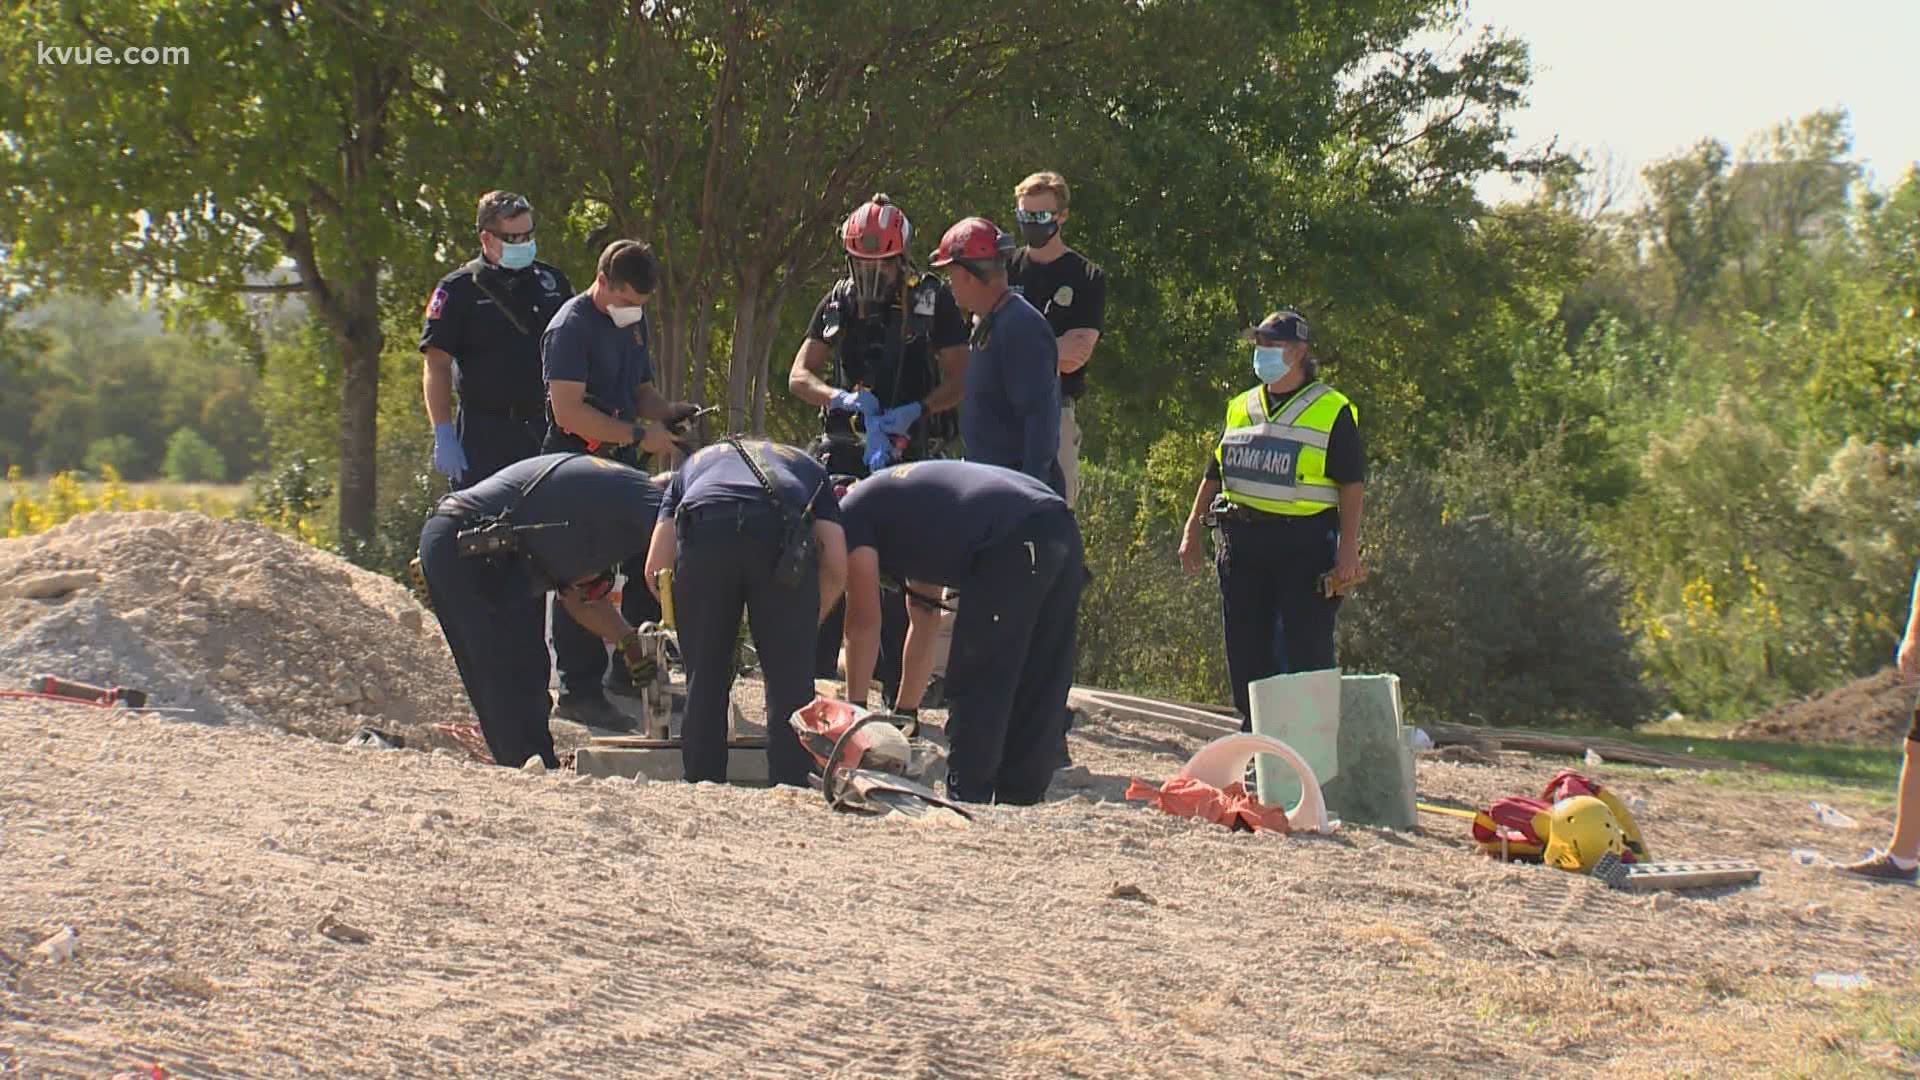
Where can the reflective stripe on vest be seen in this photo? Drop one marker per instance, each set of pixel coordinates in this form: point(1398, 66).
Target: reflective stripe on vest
point(1278, 465)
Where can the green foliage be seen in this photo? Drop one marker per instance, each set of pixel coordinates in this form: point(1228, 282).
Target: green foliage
point(1483, 620)
point(1144, 625)
point(192, 459)
point(112, 378)
point(117, 452)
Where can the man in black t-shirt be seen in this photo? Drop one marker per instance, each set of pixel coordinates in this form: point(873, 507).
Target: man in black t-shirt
point(570, 519)
point(1066, 288)
point(1011, 547)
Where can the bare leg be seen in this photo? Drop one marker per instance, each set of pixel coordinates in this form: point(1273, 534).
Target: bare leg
point(1906, 821)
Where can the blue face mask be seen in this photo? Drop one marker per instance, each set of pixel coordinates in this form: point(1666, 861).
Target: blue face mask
point(516, 256)
point(1270, 363)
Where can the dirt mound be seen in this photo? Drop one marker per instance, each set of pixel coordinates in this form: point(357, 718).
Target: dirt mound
point(227, 618)
point(1874, 711)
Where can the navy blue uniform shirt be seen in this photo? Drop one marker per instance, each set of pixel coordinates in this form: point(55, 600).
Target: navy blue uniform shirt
point(929, 519)
point(1010, 415)
point(496, 367)
point(609, 510)
point(718, 474)
point(583, 345)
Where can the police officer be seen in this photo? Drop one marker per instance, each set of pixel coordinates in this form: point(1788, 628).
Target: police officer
point(1010, 545)
point(1285, 487)
point(885, 362)
point(482, 338)
point(1068, 290)
point(557, 522)
point(1010, 414)
point(601, 399)
point(754, 525)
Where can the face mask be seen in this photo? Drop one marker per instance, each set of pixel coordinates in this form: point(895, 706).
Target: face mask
point(625, 316)
point(516, 256)
point(1039, 235)
point(1270, 363)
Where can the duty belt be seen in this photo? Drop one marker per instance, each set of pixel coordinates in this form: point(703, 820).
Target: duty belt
point(510, 412)
point(740, 513)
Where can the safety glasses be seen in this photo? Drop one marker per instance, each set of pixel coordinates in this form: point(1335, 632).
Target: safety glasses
point(513, 237)
point(1036, 217)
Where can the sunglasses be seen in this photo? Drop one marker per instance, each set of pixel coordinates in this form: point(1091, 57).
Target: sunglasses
point(1037, 217)
point(513, 237)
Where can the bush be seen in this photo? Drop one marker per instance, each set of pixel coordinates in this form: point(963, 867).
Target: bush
point(1145, 626)
point(191, 459)
point(116, 452)
point(1486, 621)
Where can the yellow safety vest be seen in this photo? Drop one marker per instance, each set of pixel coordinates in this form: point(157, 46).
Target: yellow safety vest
point(1278, 464)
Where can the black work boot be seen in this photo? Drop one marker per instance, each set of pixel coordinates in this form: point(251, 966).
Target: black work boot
point(594, 712)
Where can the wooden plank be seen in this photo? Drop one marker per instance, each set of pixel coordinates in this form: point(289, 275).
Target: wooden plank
point(1545, 742)
point(1151, 711)
point(745, 765)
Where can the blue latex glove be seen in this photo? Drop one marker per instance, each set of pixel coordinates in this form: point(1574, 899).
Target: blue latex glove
point(897, 420)
point(852, 401)
point(879, 448)
point(449, 460)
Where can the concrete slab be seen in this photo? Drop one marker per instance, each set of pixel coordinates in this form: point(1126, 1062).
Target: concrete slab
point(625, 757)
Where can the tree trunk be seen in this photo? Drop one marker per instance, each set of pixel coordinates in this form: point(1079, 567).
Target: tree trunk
point(360, 340)
point(746, 346)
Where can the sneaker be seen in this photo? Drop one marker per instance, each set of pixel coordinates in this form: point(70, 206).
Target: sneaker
point(595, 712)
point(1879, 866)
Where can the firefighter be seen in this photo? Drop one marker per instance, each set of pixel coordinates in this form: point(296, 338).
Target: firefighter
point(733, 527)
point(491, 552)
point(885, 362)
point(1010, 545)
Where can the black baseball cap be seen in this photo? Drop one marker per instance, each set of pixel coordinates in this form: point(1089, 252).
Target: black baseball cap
point(1283, 325)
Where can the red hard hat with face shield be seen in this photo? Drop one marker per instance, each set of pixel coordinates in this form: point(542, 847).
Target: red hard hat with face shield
point(973, 241)
point(876, 237)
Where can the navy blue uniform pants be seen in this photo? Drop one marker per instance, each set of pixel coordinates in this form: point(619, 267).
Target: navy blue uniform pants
point(1277, 621)
point(723, 567)
point(491, 618)
point(1012, 662)
point(494, 440)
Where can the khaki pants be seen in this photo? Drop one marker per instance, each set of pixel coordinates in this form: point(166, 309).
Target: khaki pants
point(1070, 450)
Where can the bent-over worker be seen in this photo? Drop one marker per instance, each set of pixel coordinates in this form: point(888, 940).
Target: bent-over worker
point(732, 527)
point(566, 521)
point(1009, 544)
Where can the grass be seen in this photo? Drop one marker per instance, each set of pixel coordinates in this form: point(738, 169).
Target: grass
point(1864, 772)
point(165, 492)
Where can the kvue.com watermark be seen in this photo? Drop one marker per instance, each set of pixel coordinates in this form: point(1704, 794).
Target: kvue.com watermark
point(105, 55)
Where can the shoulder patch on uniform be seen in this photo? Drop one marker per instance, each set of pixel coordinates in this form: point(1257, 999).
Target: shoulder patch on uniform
point(546, 281)
point(437, 303)
point(1063, 296)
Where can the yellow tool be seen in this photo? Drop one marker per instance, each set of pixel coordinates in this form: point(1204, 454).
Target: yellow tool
point(663, 582)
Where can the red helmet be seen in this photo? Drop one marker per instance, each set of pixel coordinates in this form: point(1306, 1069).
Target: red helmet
point(877, 230)
point(973, 240)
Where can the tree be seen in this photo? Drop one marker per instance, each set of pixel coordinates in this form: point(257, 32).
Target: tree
point(285, 158)
point(735, 137)
point(191, 459)
point(1692, 222)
